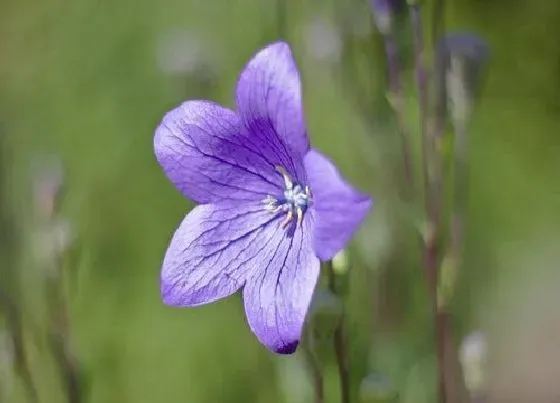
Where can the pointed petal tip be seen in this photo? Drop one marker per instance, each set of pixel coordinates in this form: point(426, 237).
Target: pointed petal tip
point(269, 90)
point(279, 45)
point(166, 293)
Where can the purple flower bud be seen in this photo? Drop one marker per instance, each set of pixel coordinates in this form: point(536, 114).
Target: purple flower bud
point(461, 58)
point(48, 179)
point(383, 15)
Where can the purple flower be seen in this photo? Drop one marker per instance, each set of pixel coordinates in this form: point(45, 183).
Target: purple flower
point(270, 206)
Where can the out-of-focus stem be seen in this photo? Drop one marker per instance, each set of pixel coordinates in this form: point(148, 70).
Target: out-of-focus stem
point(59, 338)
point(422, 84)
point(438, 20)
point(460, 187)
point(339, 342)
point(8, 274)
point(15, 327)
point(432, 189)
point(314, 367)
point(398, 104)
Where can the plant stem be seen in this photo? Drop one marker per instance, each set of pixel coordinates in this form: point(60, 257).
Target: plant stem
point(9, 283)
point(59, 331)
point(395, 87)
point(339, 342)
point(422, 84)
point(438, 20)
point(432, 188)
point(59, 338)
point(15, 327)
point(314, 367)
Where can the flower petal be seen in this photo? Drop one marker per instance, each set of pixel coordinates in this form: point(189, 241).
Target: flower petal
point(269, 103)
point(201, 149)
point(339, 208)
point(277, 299)
point(213, 251)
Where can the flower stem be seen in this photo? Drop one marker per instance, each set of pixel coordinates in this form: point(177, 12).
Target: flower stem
point(395, 88)
point(432, 188)
point(340, 342)
point(314, 367)
point(15, 327)
point(9, 284)
point(59, 338)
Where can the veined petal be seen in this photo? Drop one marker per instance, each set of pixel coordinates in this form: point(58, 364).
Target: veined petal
point(277, 299)
point(213, 252)
point(202, 151)
point(340, 209)
point(269, 103)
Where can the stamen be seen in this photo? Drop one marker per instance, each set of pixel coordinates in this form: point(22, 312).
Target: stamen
point(294, 201)
point(299, 212)
point(288, 218)
point(287, 180)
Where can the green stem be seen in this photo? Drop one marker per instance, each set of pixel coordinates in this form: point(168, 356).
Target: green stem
point(340, 342)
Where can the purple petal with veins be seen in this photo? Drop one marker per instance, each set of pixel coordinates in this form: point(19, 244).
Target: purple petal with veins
point(270, 207)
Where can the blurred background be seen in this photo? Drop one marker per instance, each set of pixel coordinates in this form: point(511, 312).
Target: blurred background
point(83, 84)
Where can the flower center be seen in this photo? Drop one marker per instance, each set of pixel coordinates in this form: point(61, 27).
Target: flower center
point(294, 202)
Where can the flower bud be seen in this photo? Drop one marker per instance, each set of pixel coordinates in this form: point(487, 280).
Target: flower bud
point(325, 312)
point(340, 263)
point(473, 356)
point(383, 15)
point(48, 178)
point(377, 388)
point(461, 58)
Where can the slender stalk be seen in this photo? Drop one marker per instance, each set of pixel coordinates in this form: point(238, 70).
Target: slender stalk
point(438, 20)
point(16, 329)
point(395, 87)
point(454, 386)
point(53, 267)
point(432, 188)
point(9, 283)
point(60, 342)
point(422, 84)
point(314, 367)
point(460, 188)
point(60, 337)
point(340, 342)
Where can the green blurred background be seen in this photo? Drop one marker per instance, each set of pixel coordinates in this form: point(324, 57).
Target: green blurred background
point(89, 80)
